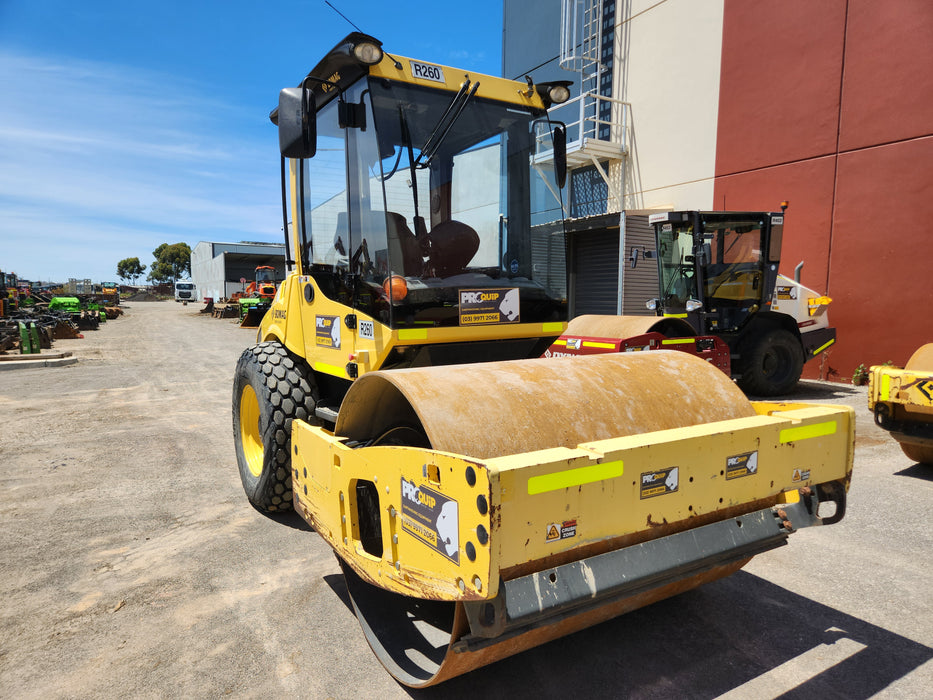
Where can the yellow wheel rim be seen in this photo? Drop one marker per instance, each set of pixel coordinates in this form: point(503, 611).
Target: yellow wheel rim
point(250, 434)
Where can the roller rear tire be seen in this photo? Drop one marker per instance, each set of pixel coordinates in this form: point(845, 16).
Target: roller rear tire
point(271, 388)
point(771, 364)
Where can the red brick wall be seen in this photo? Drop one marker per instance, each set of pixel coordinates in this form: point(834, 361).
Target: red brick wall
point(830, 105)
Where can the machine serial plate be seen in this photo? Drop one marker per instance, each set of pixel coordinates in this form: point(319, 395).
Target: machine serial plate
point(427, 71)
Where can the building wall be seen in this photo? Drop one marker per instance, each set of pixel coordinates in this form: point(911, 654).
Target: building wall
point(668, 58)
point(830, 106)
point(740, 104)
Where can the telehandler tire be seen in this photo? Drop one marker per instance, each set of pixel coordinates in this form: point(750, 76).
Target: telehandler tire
point(270, 389)
point(771, 364)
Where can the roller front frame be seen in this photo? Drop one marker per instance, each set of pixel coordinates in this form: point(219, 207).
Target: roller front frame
point(521, 514)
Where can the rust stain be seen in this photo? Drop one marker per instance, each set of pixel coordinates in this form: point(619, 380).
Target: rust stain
point(651, 523)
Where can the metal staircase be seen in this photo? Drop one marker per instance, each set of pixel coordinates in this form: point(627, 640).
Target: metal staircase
point(597, 124)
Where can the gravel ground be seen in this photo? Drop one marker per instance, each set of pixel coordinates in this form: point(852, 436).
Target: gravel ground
point(132, 565)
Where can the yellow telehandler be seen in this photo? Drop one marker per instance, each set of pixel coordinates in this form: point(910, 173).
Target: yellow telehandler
point(483, 499)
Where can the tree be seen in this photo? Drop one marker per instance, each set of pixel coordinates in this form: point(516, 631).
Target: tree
point(130, 269)
point(172, 263)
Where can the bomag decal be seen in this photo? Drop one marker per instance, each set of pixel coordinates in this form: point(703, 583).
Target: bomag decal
point(785, 292)
point(742, 465)
point(660, 482)
point(279, 313)
point(327, 331)
point(480, 307)
point(432, 518)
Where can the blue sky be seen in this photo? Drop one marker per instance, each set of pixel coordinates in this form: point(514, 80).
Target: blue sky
point(124, 125)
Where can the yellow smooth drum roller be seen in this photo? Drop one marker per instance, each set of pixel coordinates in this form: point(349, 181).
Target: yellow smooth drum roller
point(920, 361)
point(503, 408)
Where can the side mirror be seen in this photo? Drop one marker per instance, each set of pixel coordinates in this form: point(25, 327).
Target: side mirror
point(704, 255)
point(297, 123)
point(559, 139)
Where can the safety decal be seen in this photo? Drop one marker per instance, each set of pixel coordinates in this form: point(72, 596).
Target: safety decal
point(432, 518)
point(742, 465)
point(801, 475)
point(925, 387)
point(785, 292)
point(561, 531)
point(480, 307)
point(659, 483)
point(367, 330)
point(327, 331)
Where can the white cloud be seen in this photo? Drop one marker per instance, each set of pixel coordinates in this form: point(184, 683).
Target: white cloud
point(100, 162)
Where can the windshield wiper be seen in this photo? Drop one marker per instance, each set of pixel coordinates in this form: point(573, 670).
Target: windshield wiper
point(445, 123)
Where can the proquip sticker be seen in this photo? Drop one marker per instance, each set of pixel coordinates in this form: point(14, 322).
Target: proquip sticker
point(660, 482)
point(741, 465)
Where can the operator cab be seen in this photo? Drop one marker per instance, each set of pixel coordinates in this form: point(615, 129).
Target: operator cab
point(422, 203)
point(716, 269)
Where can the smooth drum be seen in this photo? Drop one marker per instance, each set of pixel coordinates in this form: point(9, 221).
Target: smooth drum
point(500, 408)
point(920, 361)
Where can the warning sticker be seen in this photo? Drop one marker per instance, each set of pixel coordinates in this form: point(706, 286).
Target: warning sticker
point(489, 306)
point(327, 331)
point(801, 475)
point(659, 483)
point(432, 518)
point(561, 531)
point(742, 465)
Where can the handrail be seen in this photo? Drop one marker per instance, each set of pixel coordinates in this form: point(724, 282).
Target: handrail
point(583, 117)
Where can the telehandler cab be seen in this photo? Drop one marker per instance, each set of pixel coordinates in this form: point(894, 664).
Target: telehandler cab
point(480, 499)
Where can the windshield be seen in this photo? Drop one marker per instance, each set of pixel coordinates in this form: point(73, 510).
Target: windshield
point(421, 220)
point(735, 269)
point(676, 269)
point(184, 285)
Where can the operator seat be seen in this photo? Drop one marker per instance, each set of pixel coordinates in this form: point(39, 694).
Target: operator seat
point(453, 245)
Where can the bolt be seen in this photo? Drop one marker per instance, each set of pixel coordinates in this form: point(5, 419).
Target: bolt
point(394, 539)
point(398, 566)
point(392, 511)
point(341, 496)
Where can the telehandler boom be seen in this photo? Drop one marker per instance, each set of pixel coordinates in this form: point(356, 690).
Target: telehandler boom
point(482, 499)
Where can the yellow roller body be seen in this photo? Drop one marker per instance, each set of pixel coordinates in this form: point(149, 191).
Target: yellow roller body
point(519, 468)
point(902, 401)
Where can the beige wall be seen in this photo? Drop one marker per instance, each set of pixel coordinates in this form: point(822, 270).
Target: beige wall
point(668, 58)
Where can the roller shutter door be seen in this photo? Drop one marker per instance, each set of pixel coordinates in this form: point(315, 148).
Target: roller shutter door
point(596, 272)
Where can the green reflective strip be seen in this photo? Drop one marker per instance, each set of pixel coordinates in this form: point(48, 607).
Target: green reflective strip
point(805, 432)
point(823, 347)
point(413, 334)
point(677, 341)
point(574, 477)
point(552, 327)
